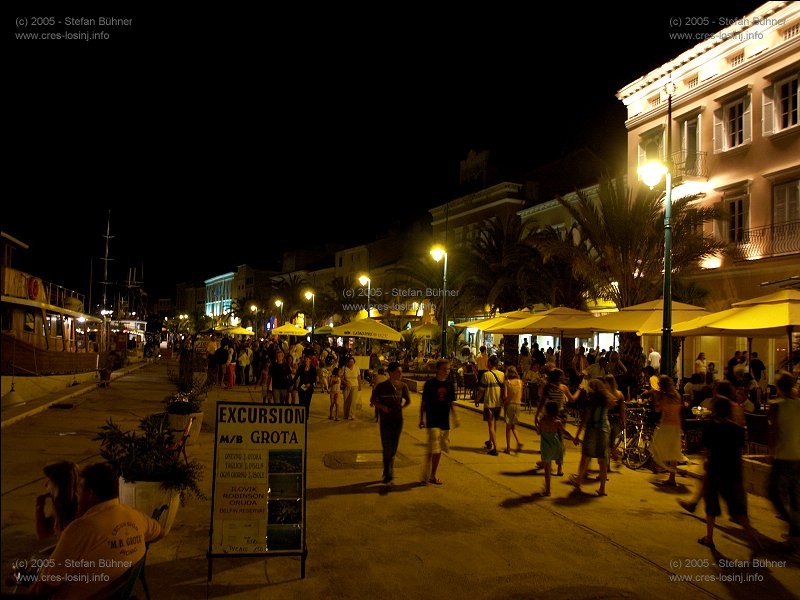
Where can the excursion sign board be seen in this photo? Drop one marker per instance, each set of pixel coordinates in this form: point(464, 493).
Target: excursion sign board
point(258, 497)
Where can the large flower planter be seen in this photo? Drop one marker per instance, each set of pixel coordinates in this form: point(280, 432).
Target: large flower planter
point(177, 423)
point(147, 496)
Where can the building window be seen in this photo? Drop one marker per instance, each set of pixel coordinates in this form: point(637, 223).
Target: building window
point(786, 202)
point(736, 59)
point(732, 124)
point(651, 146)
point(737, 209)
point(781, 102)
point(690, 144)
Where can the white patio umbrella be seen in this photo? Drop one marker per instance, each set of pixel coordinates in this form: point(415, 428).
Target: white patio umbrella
point(367, 328)
point(644, 316)
point(289, 329)
point(772, 316)
point(551, 320)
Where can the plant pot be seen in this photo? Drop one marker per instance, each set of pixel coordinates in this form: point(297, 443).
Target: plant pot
point(177, 423)
point(147, 496)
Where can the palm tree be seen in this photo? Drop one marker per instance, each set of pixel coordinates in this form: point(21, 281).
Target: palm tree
point(620, 238)
point(290, 290)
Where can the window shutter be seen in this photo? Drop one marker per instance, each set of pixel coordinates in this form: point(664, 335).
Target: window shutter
point(767, 118)
point(747, 121)
point(779, 208)
point(719, 132)
point(642, 155)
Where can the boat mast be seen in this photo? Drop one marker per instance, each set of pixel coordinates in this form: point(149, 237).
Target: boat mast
point(105, 263)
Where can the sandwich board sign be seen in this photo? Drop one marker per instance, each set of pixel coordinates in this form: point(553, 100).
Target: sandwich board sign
point(259, 489)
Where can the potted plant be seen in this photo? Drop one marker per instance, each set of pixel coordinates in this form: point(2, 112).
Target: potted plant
point(179, 407)
point(151, 473)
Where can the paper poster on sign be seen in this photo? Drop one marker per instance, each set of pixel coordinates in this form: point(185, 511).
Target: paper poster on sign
point(258, 500)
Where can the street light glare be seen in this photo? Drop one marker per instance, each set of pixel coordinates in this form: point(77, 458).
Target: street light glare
point(363, 280)
point(309, 295)
point(652, 172)
point(438, 252)
point(278, 303)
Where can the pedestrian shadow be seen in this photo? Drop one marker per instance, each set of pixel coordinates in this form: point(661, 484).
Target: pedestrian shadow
point(662, 487)
point(576, 498)
point(526, 473)
point(738, 576)
point(365, 487)
point(518, 501)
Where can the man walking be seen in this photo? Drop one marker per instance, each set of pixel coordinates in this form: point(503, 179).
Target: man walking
point(490, 392)
point(438, 395)
point(390, 398)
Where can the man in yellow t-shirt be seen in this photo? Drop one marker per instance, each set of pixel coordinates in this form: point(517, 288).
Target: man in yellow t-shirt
point(490, 392)
point(98, 548)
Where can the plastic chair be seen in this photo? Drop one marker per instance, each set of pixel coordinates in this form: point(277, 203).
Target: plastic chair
point(179, 447)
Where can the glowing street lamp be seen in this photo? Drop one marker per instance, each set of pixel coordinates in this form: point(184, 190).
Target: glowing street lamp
point(438, 252)
point(366, 281)
point(279, 304)
point(311, 296)
point(651, 174)
point(254, 310)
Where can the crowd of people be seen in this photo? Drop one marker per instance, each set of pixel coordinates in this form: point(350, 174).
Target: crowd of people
point(79, 509)
point(591, 392)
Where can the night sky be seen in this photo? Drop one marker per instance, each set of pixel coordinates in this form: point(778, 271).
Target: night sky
point(217, 139)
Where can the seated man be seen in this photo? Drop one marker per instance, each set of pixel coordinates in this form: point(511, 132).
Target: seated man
point(101, 545)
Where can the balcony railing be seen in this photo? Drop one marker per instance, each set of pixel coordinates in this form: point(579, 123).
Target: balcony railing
point(779, 239)
point(689, 164)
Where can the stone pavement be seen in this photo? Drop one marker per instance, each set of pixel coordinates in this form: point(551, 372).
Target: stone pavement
point(485, 533)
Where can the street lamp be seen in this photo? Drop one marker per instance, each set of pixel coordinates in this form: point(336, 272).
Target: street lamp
point(311, 296)
point(438, 252)
point(366, 281)
point(254, 310)
point(279, 304)
point(651, 174)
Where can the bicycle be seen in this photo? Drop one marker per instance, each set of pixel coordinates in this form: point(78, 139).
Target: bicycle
point(636, 437)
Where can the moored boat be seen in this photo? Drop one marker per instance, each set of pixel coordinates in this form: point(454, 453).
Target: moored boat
point(48, 341)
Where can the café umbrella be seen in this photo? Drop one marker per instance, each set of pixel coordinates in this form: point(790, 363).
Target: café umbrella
point(773, 315)
point(367, 328)
point(238, 330)
point(289, 329)
point(639, 317)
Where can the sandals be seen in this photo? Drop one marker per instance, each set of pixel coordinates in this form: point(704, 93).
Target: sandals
point(435, 481)
point(704, 542)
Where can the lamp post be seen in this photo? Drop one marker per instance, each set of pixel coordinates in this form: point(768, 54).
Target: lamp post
point(311, 296)
point(651, 174)
point(438, 252)
point(366, 281)
point(279, 304)
point(254, 310)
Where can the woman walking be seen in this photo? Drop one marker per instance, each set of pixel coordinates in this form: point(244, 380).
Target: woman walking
point(666, 445)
